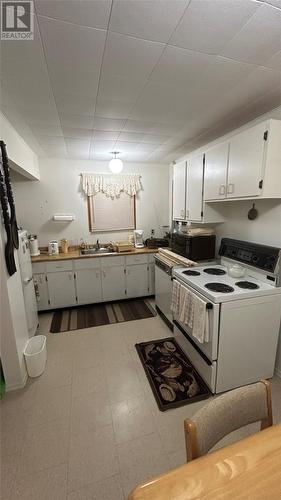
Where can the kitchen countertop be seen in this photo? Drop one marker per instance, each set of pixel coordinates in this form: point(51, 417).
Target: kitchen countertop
point(45, 257)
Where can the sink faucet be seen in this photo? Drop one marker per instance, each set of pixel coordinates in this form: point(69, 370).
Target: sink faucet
point(98, 244)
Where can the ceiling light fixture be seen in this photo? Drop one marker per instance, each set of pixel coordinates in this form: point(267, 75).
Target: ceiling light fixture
point(115, 165)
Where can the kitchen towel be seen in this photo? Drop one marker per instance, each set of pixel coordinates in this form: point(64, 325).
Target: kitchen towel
point(200, 329)
point(175, 303)
point(186, 312)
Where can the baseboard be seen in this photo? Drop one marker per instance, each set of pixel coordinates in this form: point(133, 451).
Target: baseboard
point(278, 372)
point(21, 385)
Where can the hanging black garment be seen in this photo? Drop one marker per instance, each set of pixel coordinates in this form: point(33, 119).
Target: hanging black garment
point(14, 225)
point(9, 248)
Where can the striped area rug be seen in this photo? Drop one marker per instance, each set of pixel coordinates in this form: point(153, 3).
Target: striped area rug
point(76, 318)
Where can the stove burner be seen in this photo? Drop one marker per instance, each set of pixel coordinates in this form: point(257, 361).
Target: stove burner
point(247, 284)
point(219, 287)
point(214, 270)
point(190, 272)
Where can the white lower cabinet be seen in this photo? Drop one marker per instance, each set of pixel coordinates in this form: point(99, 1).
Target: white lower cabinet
point(61, 285)
point(66, 284)
point(42, 294)
point(137, 280)
point(113, 283)
point(88, 286)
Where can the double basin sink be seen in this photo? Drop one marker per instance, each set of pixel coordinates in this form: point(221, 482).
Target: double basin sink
point(96, 251)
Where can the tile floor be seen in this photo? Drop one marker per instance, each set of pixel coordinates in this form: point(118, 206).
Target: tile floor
point(89, 427)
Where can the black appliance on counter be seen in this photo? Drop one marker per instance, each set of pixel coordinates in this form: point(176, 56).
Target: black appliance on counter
point(194, 247)
point(156, 242)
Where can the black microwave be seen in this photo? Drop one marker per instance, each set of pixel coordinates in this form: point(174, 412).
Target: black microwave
point(194, 247)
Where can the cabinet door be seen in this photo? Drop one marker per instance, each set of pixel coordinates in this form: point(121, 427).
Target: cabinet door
point(113, 283)
point(216, 162)
point(246, 162)
point(88, 286)
point(179, 191)
point(137, 280)
point(61, 287)
point(194, 201)
point(151, 279)
point(42, 294)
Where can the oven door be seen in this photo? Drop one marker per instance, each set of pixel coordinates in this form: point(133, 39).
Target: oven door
point(207, 349)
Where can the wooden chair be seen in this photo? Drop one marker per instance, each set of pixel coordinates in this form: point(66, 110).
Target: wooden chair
point(225, 414)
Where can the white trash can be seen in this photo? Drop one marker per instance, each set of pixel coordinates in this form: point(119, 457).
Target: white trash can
point(35, 354)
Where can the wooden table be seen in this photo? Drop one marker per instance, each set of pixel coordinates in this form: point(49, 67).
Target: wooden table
point(249, 469)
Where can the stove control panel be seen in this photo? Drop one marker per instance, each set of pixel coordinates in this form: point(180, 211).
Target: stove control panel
point(260, 256)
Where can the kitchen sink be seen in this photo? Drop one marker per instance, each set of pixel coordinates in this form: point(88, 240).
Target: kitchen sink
point(95, 251)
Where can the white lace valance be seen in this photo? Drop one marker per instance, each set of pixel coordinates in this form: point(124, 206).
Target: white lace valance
point(111, 185)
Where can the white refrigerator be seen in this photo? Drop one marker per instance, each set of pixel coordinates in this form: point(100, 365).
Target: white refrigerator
point(27, 283)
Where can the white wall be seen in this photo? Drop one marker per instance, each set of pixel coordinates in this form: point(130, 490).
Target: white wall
point(59, 191)
point(24, 159)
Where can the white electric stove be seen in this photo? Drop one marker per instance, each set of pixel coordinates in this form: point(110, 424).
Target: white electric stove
point(243, 312)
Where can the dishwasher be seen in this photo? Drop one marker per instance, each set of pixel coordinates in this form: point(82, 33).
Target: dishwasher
point(163, 290)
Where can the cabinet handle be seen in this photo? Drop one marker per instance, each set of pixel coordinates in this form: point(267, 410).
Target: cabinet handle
point(222, 190)
point(103, 273)
point(230, 188)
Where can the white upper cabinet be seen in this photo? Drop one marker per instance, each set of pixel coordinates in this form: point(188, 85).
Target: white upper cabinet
point(194, 198)
point(179, 191)
point(216, 162)
point(245, 166)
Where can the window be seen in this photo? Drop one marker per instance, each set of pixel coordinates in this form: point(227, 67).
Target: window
point(107, 214)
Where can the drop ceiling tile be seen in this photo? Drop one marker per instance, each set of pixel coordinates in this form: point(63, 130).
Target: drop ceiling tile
point(78, 148)
point(102, 147)
point(138, 126)
point(224, 74)
point(155, 139)
point(90, 13)
point(275, 3)
point(110, 124)
point(259, 40)
point(80, 82)
point(74, 104)
point(77, 133)
point(22, 50)
point(145, 147)
point(167, 103)
point(47, 140)
point(146, 19)
point(125, 147)
point(131, 136)
point(100, 135)
point(120, 89)
point(130, 57)
point(47, 129)
point(69, 45)
point(274, 62)
point(208, 25)
point(181, 67)
point(106, 108)
point(76, 121)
